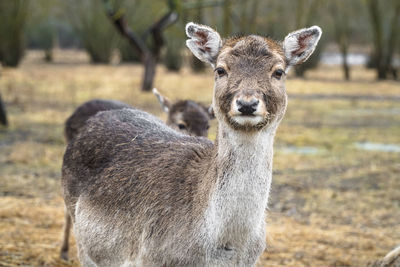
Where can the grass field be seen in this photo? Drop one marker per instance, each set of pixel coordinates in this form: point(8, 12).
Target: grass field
point(332, 203)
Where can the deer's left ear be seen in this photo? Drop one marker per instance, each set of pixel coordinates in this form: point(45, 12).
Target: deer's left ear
point(203, 41)
point(164, 102)
point(299, 45)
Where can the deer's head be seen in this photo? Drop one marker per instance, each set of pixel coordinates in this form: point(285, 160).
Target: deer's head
point(250, 73)
point(186, 116)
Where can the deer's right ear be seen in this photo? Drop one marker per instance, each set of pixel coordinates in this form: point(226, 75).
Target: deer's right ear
point(164, 102)
point(299, 45)
point(204, 42)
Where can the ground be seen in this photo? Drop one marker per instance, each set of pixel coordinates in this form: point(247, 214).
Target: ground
point(332, 203)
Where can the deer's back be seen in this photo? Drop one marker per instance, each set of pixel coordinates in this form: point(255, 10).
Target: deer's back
point(78, 119)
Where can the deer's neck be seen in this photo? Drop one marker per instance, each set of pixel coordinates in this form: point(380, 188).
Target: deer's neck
point(243, 177)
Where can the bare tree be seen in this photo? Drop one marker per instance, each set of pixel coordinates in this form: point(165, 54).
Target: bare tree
point(342, 31)
point(148, 55)
point(391, 44)
point(14, 15)
point(384, 38)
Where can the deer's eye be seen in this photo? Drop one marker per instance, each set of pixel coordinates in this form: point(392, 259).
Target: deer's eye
point(278, 74)
point(208, 127)
point(181, 126)
point(220, 71)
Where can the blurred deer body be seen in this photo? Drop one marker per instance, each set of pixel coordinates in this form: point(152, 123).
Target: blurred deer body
point(146, 195)
point(185, 116)
point(88, 109)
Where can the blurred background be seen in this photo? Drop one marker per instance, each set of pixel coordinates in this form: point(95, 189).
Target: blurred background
point(335, 197)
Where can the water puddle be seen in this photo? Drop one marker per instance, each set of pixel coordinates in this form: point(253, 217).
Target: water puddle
point(333, 58)
point(304, 150)
point(388, 111)
point(336, 58)
point(378, 147)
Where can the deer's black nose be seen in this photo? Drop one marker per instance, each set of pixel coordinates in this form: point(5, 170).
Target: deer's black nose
point(247, 107)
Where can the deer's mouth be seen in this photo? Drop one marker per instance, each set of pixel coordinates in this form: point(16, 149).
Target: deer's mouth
point(248, 123)
point(247, 115)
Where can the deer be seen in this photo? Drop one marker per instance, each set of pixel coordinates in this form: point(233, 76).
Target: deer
point(142, 194)
point(186, 116)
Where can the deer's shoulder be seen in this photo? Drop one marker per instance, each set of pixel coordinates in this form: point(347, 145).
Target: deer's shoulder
point(129, 134)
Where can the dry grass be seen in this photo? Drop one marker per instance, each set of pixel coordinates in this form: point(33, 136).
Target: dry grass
point(337, 207)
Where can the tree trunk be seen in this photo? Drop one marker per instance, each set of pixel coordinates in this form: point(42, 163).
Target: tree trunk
point(381, 71)
point(148, 56)
point(392, 41)
point(151, 57)
point(3, 115)
point(305, 11)
point(48, 55)
point(384, 47)
point(376, 21)
point(150, 64)
point(343, 47)
point(345, 65)
point(342, 32)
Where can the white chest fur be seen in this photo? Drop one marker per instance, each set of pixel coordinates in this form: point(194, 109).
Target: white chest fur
point(237, 206)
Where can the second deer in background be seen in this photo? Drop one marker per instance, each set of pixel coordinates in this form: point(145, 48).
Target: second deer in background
point(186, 116)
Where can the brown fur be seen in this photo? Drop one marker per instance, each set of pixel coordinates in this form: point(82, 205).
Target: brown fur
point(78, 119)
point(253, 61)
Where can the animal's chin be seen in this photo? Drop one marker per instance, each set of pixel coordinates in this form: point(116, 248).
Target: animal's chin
point(248, 122)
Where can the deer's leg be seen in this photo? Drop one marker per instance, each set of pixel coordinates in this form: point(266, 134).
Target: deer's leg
point(66, 232)
point(255, 247)
point(84, 258)
point(392, 258)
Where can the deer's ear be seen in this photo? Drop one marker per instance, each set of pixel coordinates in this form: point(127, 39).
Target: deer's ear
point(299, 45)
point(203, 41)
point(164, 102)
